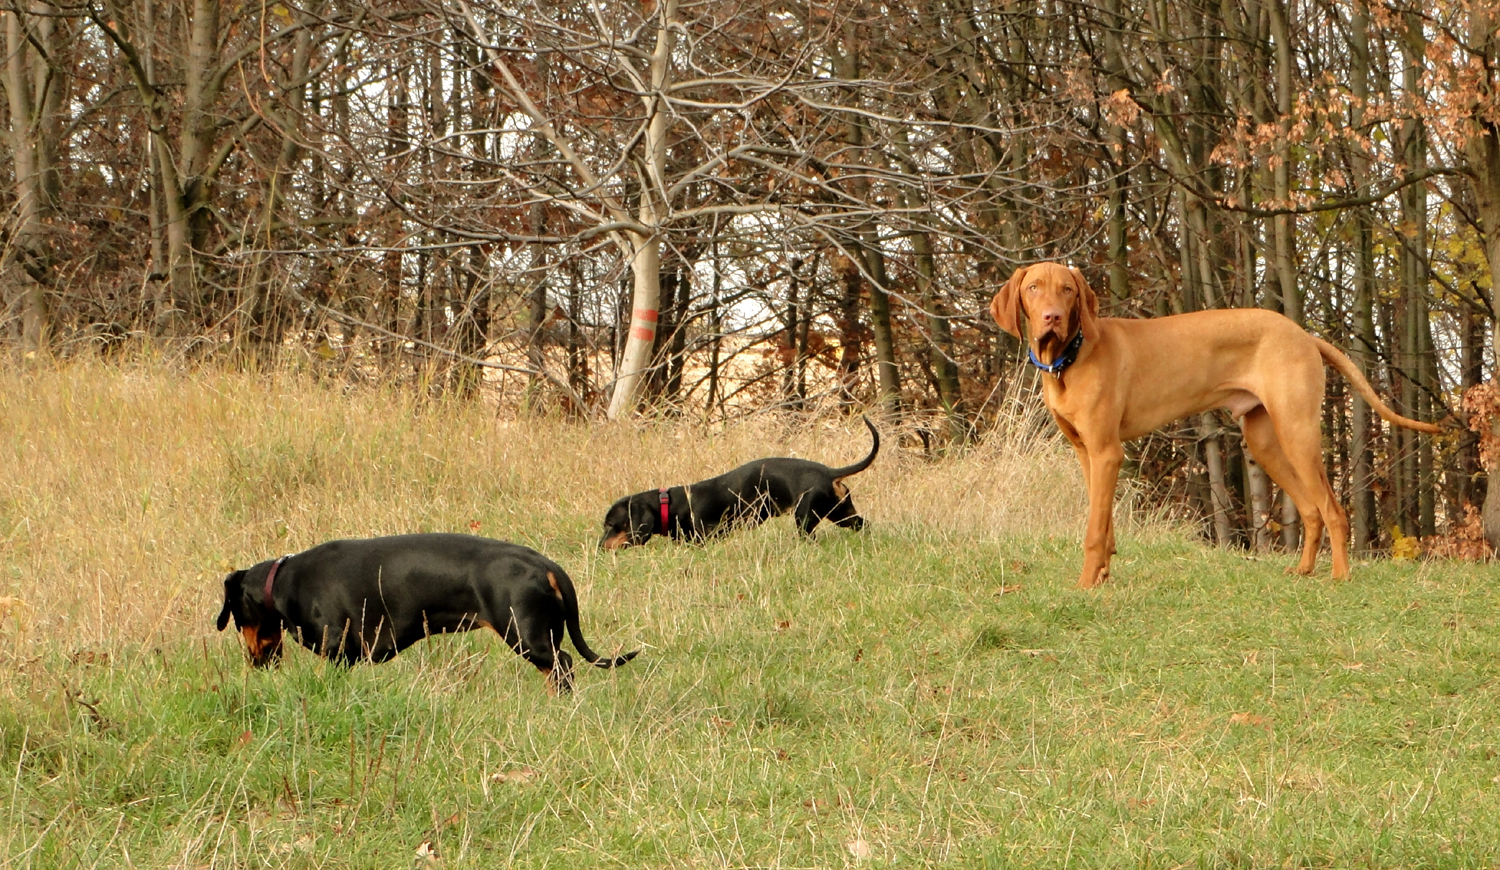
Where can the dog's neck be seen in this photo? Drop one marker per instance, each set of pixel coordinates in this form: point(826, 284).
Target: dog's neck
point(271, 578)
point(1068, 356)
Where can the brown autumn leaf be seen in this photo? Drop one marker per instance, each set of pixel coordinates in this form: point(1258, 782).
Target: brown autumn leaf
point(1252, 719)
point(516, 776)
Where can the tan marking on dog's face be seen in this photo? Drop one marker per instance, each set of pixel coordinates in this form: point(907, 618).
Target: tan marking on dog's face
point(262, 650)
point(617, 540)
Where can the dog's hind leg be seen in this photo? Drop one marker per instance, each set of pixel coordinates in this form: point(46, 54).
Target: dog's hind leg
point(560, 680)
point(529, 635)
point(1267, 450)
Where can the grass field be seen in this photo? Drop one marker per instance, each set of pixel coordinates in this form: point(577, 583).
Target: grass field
point(933, 692)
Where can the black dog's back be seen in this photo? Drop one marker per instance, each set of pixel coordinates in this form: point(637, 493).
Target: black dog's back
point(370, 598)
point(744, 496)
point(421, 584)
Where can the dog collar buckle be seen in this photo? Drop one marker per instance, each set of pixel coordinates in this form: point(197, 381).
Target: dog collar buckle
point(1063, 360)
point(664, 509)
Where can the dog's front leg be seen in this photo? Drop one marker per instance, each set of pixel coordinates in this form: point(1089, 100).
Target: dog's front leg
point(1103, 463)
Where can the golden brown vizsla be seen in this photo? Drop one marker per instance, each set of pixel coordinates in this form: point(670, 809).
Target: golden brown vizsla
point(1111, 380)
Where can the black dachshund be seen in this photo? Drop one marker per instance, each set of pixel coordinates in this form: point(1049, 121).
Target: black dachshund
point(368, 599)
point(744, 497)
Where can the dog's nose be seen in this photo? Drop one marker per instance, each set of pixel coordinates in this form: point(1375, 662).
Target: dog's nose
point(1052, 318)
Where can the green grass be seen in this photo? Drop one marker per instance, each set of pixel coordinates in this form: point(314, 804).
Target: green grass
point(919, 695)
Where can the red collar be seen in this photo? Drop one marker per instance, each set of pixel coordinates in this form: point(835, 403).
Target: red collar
point(271, 578)
point(664, 514)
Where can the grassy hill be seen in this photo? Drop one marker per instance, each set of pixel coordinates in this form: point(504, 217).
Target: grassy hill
point(933, 692)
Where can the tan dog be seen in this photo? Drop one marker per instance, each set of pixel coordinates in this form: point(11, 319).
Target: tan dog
point(1111, 380)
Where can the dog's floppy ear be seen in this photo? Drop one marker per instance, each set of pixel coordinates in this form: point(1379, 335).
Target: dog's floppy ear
point(1006, 306)
point(642, 519)
point(234, 589)
point(1088, 305)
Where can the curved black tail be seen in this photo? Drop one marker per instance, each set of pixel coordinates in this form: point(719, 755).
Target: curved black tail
point(861, 465)
point(570, 619)
point(589, 655)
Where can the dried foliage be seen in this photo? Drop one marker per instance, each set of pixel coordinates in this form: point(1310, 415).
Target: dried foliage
point(796, 205)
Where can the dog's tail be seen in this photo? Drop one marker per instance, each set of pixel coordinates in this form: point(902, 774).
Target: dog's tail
point(861, 465)
point(1336, 358)
point(570, 619)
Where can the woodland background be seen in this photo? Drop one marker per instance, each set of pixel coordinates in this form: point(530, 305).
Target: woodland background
point(715, 209)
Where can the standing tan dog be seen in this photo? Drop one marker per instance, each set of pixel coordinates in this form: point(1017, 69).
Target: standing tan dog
point(1112, 380)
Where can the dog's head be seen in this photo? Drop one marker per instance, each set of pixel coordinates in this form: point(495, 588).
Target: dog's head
point(244, 601)
point(631, 521)
point(1055, 301)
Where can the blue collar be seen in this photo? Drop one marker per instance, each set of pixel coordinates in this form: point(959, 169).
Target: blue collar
point(1068, 356)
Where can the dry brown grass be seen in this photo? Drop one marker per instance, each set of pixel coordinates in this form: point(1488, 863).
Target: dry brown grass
point(126, 492)
point(935, 692)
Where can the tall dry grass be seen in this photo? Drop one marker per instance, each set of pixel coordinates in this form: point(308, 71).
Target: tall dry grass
point(932, 693)
point(127, 491)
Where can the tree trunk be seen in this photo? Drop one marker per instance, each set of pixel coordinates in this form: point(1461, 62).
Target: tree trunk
point(851, 333)
point(1365, 522)
point(715, 323)
point(791, 352)
point(29, 248)
point(941, 351)
point(1482, 153)
point(865, 242)
point(645, 261)
point(1213, 457)
point(537, 309)
point(1283, 225)
point(645, 267)
point(1414, 498)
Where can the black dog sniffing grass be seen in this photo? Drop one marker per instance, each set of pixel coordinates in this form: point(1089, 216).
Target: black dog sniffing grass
point(351, 600)
point(746, 496)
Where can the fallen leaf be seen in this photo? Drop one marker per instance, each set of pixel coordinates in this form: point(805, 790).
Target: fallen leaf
point(1248, 719)
point(721, 724)
point(783, 625)
point(1404, 547)
point(427, 852)
point(13, 606)
point(518, 776)
point(243, 740)
point(860, 849)
point(1008, 590)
